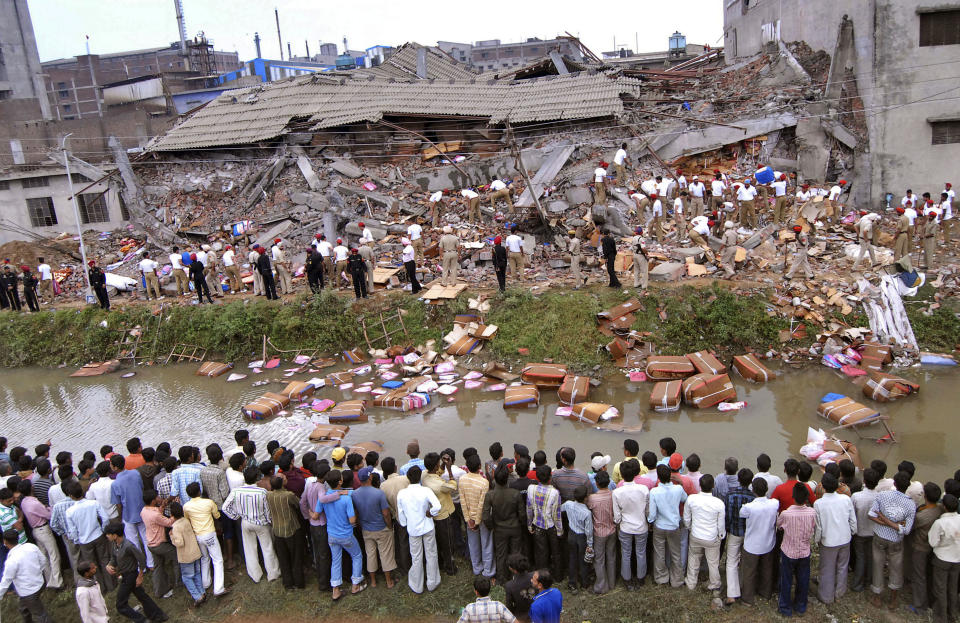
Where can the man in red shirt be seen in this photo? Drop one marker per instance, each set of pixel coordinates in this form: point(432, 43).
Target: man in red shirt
point(784, 492)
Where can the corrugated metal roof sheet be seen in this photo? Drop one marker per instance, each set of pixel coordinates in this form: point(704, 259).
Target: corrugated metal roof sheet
point(264, 112)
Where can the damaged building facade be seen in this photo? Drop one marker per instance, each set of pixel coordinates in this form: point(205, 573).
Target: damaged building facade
point(892, 70)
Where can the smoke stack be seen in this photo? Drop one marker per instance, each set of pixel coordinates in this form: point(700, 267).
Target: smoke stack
point(306, 44)
point(256, 42)
point(276, 14)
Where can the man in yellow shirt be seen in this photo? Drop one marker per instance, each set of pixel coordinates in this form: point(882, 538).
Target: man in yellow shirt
point(443, 522)
point(201, 513)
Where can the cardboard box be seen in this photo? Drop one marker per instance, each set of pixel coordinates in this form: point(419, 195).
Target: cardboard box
point(517, 396)
point(706, 390)
point(574, 389)
point(620, 310)
point(213, 368)
point(883, 352)
point(265, 406)
point(544, 374)
point(887, 387)
point(298, 390)
point(349, 411)
point(464, 346)
point(592, 412)
point(328, 432)
point(665, 368)
point(751, 369)
point(845, 412)
point(665, 396)
point(705, 362)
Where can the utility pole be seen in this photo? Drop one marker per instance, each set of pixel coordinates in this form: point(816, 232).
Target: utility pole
point(93, 80)
point(76, 216)
point(276, 14)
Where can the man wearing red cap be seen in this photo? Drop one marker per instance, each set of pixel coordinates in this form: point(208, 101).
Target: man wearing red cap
point(620, 161)
point(929, 237)
point(254, 258)
point(500, 263)
point(717, 188)
point(946, 213)
point(340, 255)
point(357, 273)
point(834, 197)
point(600, 184)
point(865, 228)
point(365, 234)
point(284, 283)
point(314, 269)
point(198, 275)
point(266, 274)
point(901, 245)
point(746, 197)
point(697, 191)
point(30, 289)
point(9, 280)
point(699, 232)
point(779, 186)
point(233, 271)
point(98, 281)
point(800, 245)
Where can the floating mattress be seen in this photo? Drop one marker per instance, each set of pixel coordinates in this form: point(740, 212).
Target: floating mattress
point(213, 368)
point(663, 368)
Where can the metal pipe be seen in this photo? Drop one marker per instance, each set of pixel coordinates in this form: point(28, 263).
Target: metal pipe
point(76, 213)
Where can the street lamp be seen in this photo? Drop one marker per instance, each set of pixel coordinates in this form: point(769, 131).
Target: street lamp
point(76, 215)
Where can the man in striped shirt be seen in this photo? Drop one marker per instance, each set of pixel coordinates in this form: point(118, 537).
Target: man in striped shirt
point(798, 523)
point(473, 489)
point(248, 503)
point(736, 527)
point(893, 513)
point(543, 521)
point(187, 473)
point(579, 537)
point(287, 532)
point(604, 535)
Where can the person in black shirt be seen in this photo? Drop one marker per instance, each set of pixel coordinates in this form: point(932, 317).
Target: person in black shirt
point(266, 272)
point(500, 263)
point(197, 274)
point(314, 269)
point(520, 592)
point(4, 299)
point(609, 248)
point(358, 273)
point(9, 281)
point(128, 561)
point(98, 281)
point(30, 289)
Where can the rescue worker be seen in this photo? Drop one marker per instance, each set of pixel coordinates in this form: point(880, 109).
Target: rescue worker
point(697, 191)
point(573, 245)
point(436, 203)
point(779, 199)
point(728, 251)
point(641, 265)
point(179, 273)
point(30, 289)
point(699, 232)
point(834, 197)
point(515, 253)
point(471, 203)
point(148, 269)
point(365, 234)
point(800, 245)
point(358, 271)
point(911, 210)
point(681, 184)
point(314, 269)
point(600, 184)
point(410, 263)
point(500, 190)
point(500, 263)
point(254, 258)
point(657, 215)
point(98, 281)
point(211, 270)
point(901, 245)
point(266, 274)
point(283, 267)
point(679, 214)
point(717, 188)
point(340, 255)
point(608, 247)
point(415, 234)
point(232, 270)
point(865, 232)
point(620, 160)
point(946, 214)
point(326, 252)
point(746, 199)
point(10, 281)
point(4, 298)
point(366, 252)
point(930, 230)
point(45, 274)
point(199, 278)
point(450, 259)
point(716, 222)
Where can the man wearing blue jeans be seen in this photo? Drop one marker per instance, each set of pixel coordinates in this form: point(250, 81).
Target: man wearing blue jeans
point(126, 492)
point(340, 522)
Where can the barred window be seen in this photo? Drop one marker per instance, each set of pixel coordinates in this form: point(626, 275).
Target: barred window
point(93, 209)
point(41, 211)
point(35, 182)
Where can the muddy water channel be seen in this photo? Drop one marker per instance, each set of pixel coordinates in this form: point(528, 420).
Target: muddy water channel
point(172, 404)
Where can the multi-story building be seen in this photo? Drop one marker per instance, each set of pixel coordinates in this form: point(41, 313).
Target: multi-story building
point(21, 76)
point(493, 54)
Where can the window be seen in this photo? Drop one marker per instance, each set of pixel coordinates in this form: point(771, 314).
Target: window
point(41, 212)
point(940, 28)
point(67, 108)
point(4, 185)
point(124, 211)
point(35, 182)
point(78, 178)
point(945, 132)
point(93, 209)
point(63, 92)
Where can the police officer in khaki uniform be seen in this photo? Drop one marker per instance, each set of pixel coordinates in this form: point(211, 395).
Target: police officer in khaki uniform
point(641, 273)
point(728, 251)
point(366, 252)
point(450, 258)
point(930, 230)
point(573, 245)
point(901, 245)
point(211, 270)
point(865, 228)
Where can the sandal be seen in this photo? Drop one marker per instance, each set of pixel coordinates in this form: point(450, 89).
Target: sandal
point(360, 588)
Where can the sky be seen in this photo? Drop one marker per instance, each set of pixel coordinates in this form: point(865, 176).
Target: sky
point(118, 25)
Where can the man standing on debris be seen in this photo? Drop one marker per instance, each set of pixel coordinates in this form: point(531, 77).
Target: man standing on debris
point(365, 234)
point(746, 198)
point(515, 253)
point(471, 203)
point(232, 270)
point(500, 263)
point(657, 210)
point(358, 274)
point(697, 190)
point(415, 234)
point(864, 229)
point(366, 252)
point(254, 259)
point(780, 198)
point(325, 249)
point(728, 251)
point(930, 229)
point(410, 263)
point(699, 232)
point(282, 266)
point(340, 254)
point(799, 255)
point(946, 213)
point(620, 160)
point(717, 188)
point(641, 274)
point(266, 274)
point(313, 268)
point(608, 247)
point(573, 246)
point(600, 184)
point(500, 190)
point(197, 275)
point(98, 281)
point(179, 272)
point(148, 268)
point(901, 245)
point(212, 271)
point(436, 202)
point(834, 197)
point(449, 244)
point(30, 289)
point(46, 280)
point(679, 214)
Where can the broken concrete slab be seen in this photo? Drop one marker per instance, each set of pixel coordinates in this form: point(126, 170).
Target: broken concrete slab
point(839, 132)
point(277, 231)
point(714, 137)
point(558, 207)
point(578, 195)
point(758, 237)
point(668, 271)
point(556, 158)
point(313, 180)
point(345, 167)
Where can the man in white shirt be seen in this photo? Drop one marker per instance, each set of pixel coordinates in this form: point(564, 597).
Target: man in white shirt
point(46, 280)
point(864, 228)
point(759, 544)
point(630, 505)
point(681, 182)
point(679, 213)
point(232, 270)
point(600, 184)
point(908, 198)
point(24, 568)
point(415, 234)
point(471, 203)
point(326, 252)
point(746, 198)
point(340, 255)
point(836, 523)
point(804, 194)
point(779, 186)
point(179, 272)
point(500, 190)
point(838, 189)
point(697, 191)
point(663, 186)
point(436, 202)
point(699, 232)
point(717, 188)
point(211, 270)
point(416, 507)
point(514, 244)
point(284, 281)
point(148, 268)
point(863, 540)
point(657, 210)
point(252, 257)
point(946, 213)
point(100, 490)
point(763, 471)
point(704, 516)
point(619, 161)
point(365, 234)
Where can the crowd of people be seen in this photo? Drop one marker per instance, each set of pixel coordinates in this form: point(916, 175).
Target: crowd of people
point(183, 518)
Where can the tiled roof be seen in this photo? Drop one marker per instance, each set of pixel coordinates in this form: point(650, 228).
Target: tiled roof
point(250, 115)
point(402, 64)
